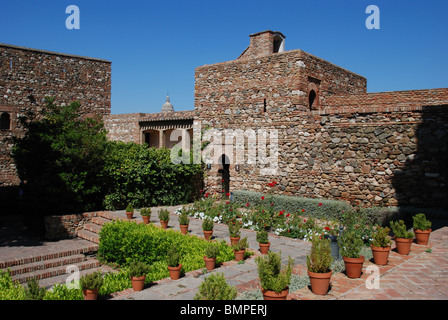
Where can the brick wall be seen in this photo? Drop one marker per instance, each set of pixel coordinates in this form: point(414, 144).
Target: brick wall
point(27, 76)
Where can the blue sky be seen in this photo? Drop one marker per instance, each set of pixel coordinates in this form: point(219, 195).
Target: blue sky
point(155, 46)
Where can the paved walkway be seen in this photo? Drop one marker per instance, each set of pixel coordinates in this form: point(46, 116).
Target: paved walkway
point(420, 275)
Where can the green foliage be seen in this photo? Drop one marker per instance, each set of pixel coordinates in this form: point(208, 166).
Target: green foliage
point(319, 260)
point(124, 241)
point(146, 176)
point(9, 289)
point(262, 236)
point(183, 218)
point(212, 251)
point(138, 269)
point(61, 156)
point(420, 222)
point(215, 287)
point(91, 281)
point(164, 215)
point(400, 230)
point(33, 291)
point(173, 257)
point(381, 237)
point(241, 245)
point(130, 208)
point(272, 277)
point(234, 229)
point(207, 224)
point(145, 212)
point(350, 244)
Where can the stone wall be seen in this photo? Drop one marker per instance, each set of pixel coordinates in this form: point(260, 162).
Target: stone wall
point(123, 127)
point(27, 76)
point(66, 226)
point(378, 149)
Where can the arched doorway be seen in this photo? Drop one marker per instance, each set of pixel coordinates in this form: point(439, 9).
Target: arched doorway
point(224, 170)
point(311, 99)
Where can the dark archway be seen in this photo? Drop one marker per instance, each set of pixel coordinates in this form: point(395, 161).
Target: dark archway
point(5, 121)
point(224, 162)
point(312, 99)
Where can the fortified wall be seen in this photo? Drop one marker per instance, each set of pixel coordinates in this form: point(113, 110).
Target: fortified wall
point(335, 140)
point(27, 76)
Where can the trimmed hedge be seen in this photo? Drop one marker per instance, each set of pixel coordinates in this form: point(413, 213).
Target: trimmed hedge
point(124, 241)
point(329, 209)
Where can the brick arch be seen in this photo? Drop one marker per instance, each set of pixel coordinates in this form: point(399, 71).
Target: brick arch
point(313, 96)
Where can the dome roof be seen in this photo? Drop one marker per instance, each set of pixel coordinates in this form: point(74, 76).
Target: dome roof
point(167, 106)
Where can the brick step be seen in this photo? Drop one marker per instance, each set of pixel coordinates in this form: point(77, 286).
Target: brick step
point(93, 227)
point(45, 264)
point(55, 271)
point(89, 235)
point(61, 279)
point(100, 221)
point(44, 254)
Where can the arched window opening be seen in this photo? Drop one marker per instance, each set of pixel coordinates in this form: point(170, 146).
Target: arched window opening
point(225, 174)
point(5, 121)
point(312, 99)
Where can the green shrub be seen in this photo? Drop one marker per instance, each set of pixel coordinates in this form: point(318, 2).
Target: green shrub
point(183, 218)
point(145, 212)
point(173, 257)
point(350, 244)
point(130, 208)
point(241, 245)
point(9, 289)
point(215, 287)
point(400, 230)
point(234, 229)
point(138, 269)
point(381, 237)
point(124, 241)
point(318, 208)
point(319, 260)
point(272, 277)
point(420, 222)
point(91, 281)
point(212, 251)
point(207, 224)
point(164, 215)
point(262, 236)
point(33, 291)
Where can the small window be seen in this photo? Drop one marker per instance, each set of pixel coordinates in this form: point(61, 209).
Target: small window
point(5, 121)
point(264, 106)
point(312, 99)
point(279, 44)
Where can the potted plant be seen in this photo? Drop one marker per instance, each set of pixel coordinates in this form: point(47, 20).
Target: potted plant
point(174, 265)
point(164, 217)
point(239, 249)
point(380, 245)
point(211, 253)
point(137, 273)
point(403, 237)
point(273, 279)
point(215, 287)
point(146, 215)
point(234, 232)
point(184, 222)
point(350, 246)
point(129, 211)
point(207, 228)
point(263, 241)
point(90, 284)
point(319, 265)
point(422, 228)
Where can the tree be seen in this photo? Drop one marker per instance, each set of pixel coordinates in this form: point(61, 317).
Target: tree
point(61, 156)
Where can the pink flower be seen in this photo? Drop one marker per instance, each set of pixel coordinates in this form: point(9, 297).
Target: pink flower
point(320, 204)
point(262, 198)
point(247, 204)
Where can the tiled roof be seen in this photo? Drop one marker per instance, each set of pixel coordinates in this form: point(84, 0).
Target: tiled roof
point(168, 116)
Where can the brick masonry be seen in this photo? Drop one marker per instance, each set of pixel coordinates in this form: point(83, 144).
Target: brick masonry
point(386, 148)
point(27, 76)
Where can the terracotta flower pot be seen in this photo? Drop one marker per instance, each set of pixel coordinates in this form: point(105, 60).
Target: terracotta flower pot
point(239, 255)
point(234, 240)
point(403, 245)
point(208, 234)
point(129, 215)
point(164, 224)
point(184, 228)
point(210, 263)
point(264, 247)
point(175, 272)
point(320, 282)
point(272, 295)
point(90, 294)
point(422, 236)
point(138, 283)
point(146, 219)
point(353, 266)
point(380, 255)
